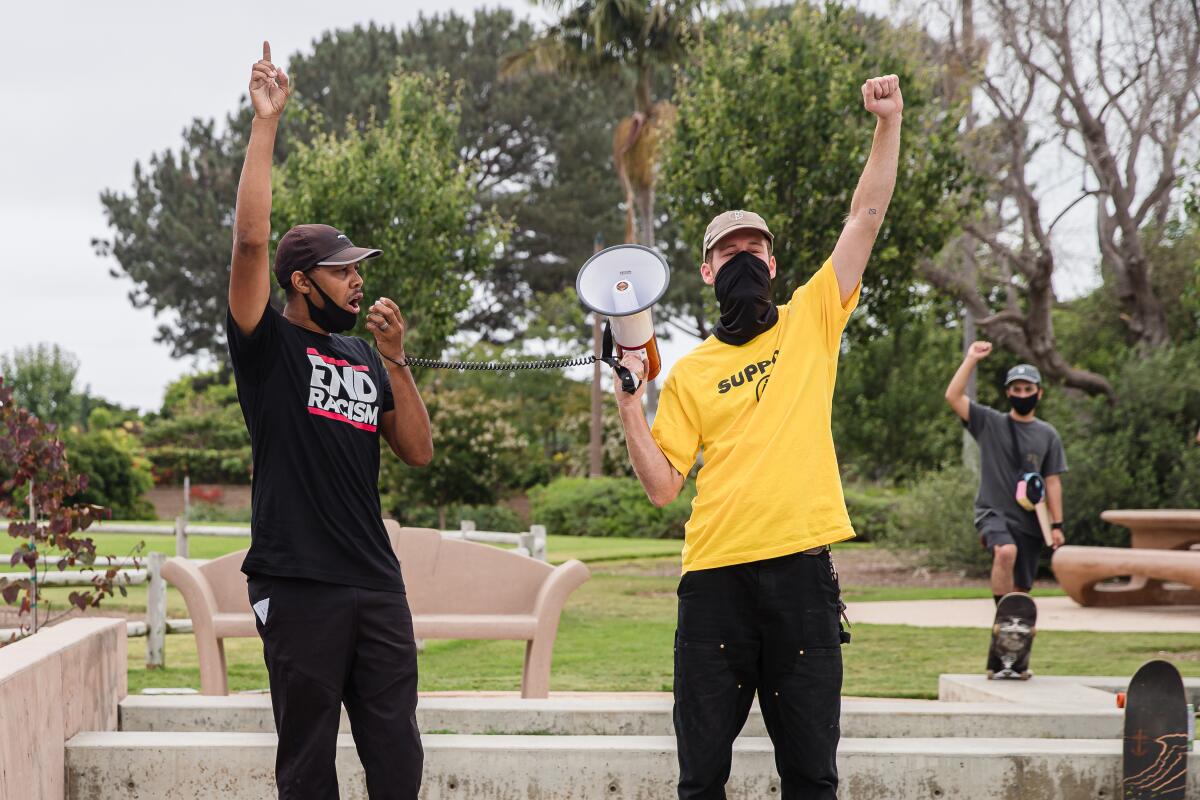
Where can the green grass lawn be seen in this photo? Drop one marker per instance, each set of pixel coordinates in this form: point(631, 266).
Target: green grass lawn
point(559, 548)
point(616, 633)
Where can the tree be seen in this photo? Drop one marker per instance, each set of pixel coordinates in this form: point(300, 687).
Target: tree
point(117, 469)
point(36, 480)
point(771, 119)
point(540, 155)
point(889, 419)
point(199, 432)
point(171, 237)
point(635, 38)
point(477, 447)
point(42, 380)
point(1112, 86)
point(398, 185)
point(538, 152)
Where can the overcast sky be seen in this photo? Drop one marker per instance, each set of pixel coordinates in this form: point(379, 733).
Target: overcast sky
point(86, 90)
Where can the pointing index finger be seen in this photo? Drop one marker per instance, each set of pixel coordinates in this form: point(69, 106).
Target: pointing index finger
point(266, 51)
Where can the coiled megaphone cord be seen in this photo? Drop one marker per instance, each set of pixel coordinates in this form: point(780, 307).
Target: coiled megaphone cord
point(497, 366)
point(628, 383)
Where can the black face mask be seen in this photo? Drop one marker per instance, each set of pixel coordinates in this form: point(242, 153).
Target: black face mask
point(744, 291)
point(332, 317)
point(1023, 405)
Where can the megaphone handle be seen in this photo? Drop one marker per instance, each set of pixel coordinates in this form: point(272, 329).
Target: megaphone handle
point(629, 384)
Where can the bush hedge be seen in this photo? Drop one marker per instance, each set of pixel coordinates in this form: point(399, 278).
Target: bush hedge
point(608, 507)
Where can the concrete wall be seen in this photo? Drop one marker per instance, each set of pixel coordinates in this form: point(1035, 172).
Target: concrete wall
point(65, 679)
point(203, 766)
point(168, 500)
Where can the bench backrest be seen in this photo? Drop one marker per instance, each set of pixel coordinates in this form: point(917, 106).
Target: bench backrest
point(228, 583)
point(450, 576)
point(441, 576)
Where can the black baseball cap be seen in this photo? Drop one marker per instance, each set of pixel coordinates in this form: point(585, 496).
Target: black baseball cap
point(308, 246)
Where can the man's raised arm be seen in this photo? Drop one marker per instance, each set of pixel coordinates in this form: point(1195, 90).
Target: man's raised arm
point(881, 96)
point(250, 276)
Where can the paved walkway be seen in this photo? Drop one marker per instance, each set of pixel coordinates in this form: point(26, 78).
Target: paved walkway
point(1054, 614)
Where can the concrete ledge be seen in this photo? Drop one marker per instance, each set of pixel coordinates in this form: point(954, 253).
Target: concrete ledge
point(641, 716)
point(1076, 691)
point(216, 765)
point(53, 684)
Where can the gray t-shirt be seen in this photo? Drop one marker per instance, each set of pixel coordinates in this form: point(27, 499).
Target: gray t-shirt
point(1041, 451)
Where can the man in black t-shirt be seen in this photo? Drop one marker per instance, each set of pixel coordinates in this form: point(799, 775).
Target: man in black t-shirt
point(323, 579)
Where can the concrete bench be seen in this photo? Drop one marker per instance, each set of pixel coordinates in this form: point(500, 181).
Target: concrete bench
point(1079, 570)
point(456, 590)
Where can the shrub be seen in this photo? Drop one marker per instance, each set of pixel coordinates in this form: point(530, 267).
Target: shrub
point(486, 518)
point(1139, 452)
point(870, 509)
point(118, 474)
point(204, 511)
point(935, 521)
point(608, 507)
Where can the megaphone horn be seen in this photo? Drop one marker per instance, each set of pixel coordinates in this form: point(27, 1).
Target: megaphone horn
point(622, 283)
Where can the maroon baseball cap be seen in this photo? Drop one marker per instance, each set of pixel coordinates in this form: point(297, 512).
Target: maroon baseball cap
point(308, 246)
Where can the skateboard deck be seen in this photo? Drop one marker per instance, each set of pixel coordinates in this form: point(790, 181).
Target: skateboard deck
point(1156, 729)
point(1012, 637)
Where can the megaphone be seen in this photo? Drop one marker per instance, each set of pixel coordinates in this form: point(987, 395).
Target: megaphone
point(622, 283)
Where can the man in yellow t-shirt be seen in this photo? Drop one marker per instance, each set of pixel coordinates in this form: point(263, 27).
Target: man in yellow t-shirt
point(759, 598)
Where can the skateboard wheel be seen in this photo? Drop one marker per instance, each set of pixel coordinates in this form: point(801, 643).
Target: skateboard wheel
point(995, 630)
point(1026, 675)
point(1120, 699)
point(991, 674)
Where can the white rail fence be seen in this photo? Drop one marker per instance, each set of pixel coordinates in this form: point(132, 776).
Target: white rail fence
point(528, 543)
point(148, 570)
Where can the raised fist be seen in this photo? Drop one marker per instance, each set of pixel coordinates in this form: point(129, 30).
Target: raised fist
point(881, 96)
point(979, 350)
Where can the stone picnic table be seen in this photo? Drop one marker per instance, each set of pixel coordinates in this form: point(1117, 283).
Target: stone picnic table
point(1158, 529)
point(1159, 553)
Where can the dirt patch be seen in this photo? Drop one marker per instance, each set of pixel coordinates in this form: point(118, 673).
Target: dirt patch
point(856, 566)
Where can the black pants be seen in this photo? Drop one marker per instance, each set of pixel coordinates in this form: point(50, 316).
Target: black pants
point(326, 644)
point(772, 627)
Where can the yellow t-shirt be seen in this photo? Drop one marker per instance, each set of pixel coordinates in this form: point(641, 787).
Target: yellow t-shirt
point(770, 485)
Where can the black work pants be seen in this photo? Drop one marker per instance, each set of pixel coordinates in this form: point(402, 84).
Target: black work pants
point(769, 627)
point(327, 644)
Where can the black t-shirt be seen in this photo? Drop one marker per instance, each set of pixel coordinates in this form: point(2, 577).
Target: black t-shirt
point(312, 403)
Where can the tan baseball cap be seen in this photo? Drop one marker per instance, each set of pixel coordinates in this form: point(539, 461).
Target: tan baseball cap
point(730, 221)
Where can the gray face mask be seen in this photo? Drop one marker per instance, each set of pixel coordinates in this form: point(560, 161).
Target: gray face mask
point(332, 317)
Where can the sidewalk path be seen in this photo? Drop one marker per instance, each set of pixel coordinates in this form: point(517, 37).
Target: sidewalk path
point(1054, 614)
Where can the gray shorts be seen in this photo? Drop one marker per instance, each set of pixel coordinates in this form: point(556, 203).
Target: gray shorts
point(995, 530)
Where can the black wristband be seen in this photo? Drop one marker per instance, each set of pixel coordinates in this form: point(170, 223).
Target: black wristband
point(1057, 526)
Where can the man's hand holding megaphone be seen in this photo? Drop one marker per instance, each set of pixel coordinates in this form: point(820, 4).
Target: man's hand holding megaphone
point(636, 363)
point(386, 324)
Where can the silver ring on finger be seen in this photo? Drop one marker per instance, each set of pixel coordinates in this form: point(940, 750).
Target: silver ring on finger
point(383, 326)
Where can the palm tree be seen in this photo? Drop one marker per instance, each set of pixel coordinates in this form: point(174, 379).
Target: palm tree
point(630, 38)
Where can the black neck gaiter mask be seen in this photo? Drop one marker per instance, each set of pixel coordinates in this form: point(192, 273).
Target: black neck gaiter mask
point(332, 318)
point(744, 291)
